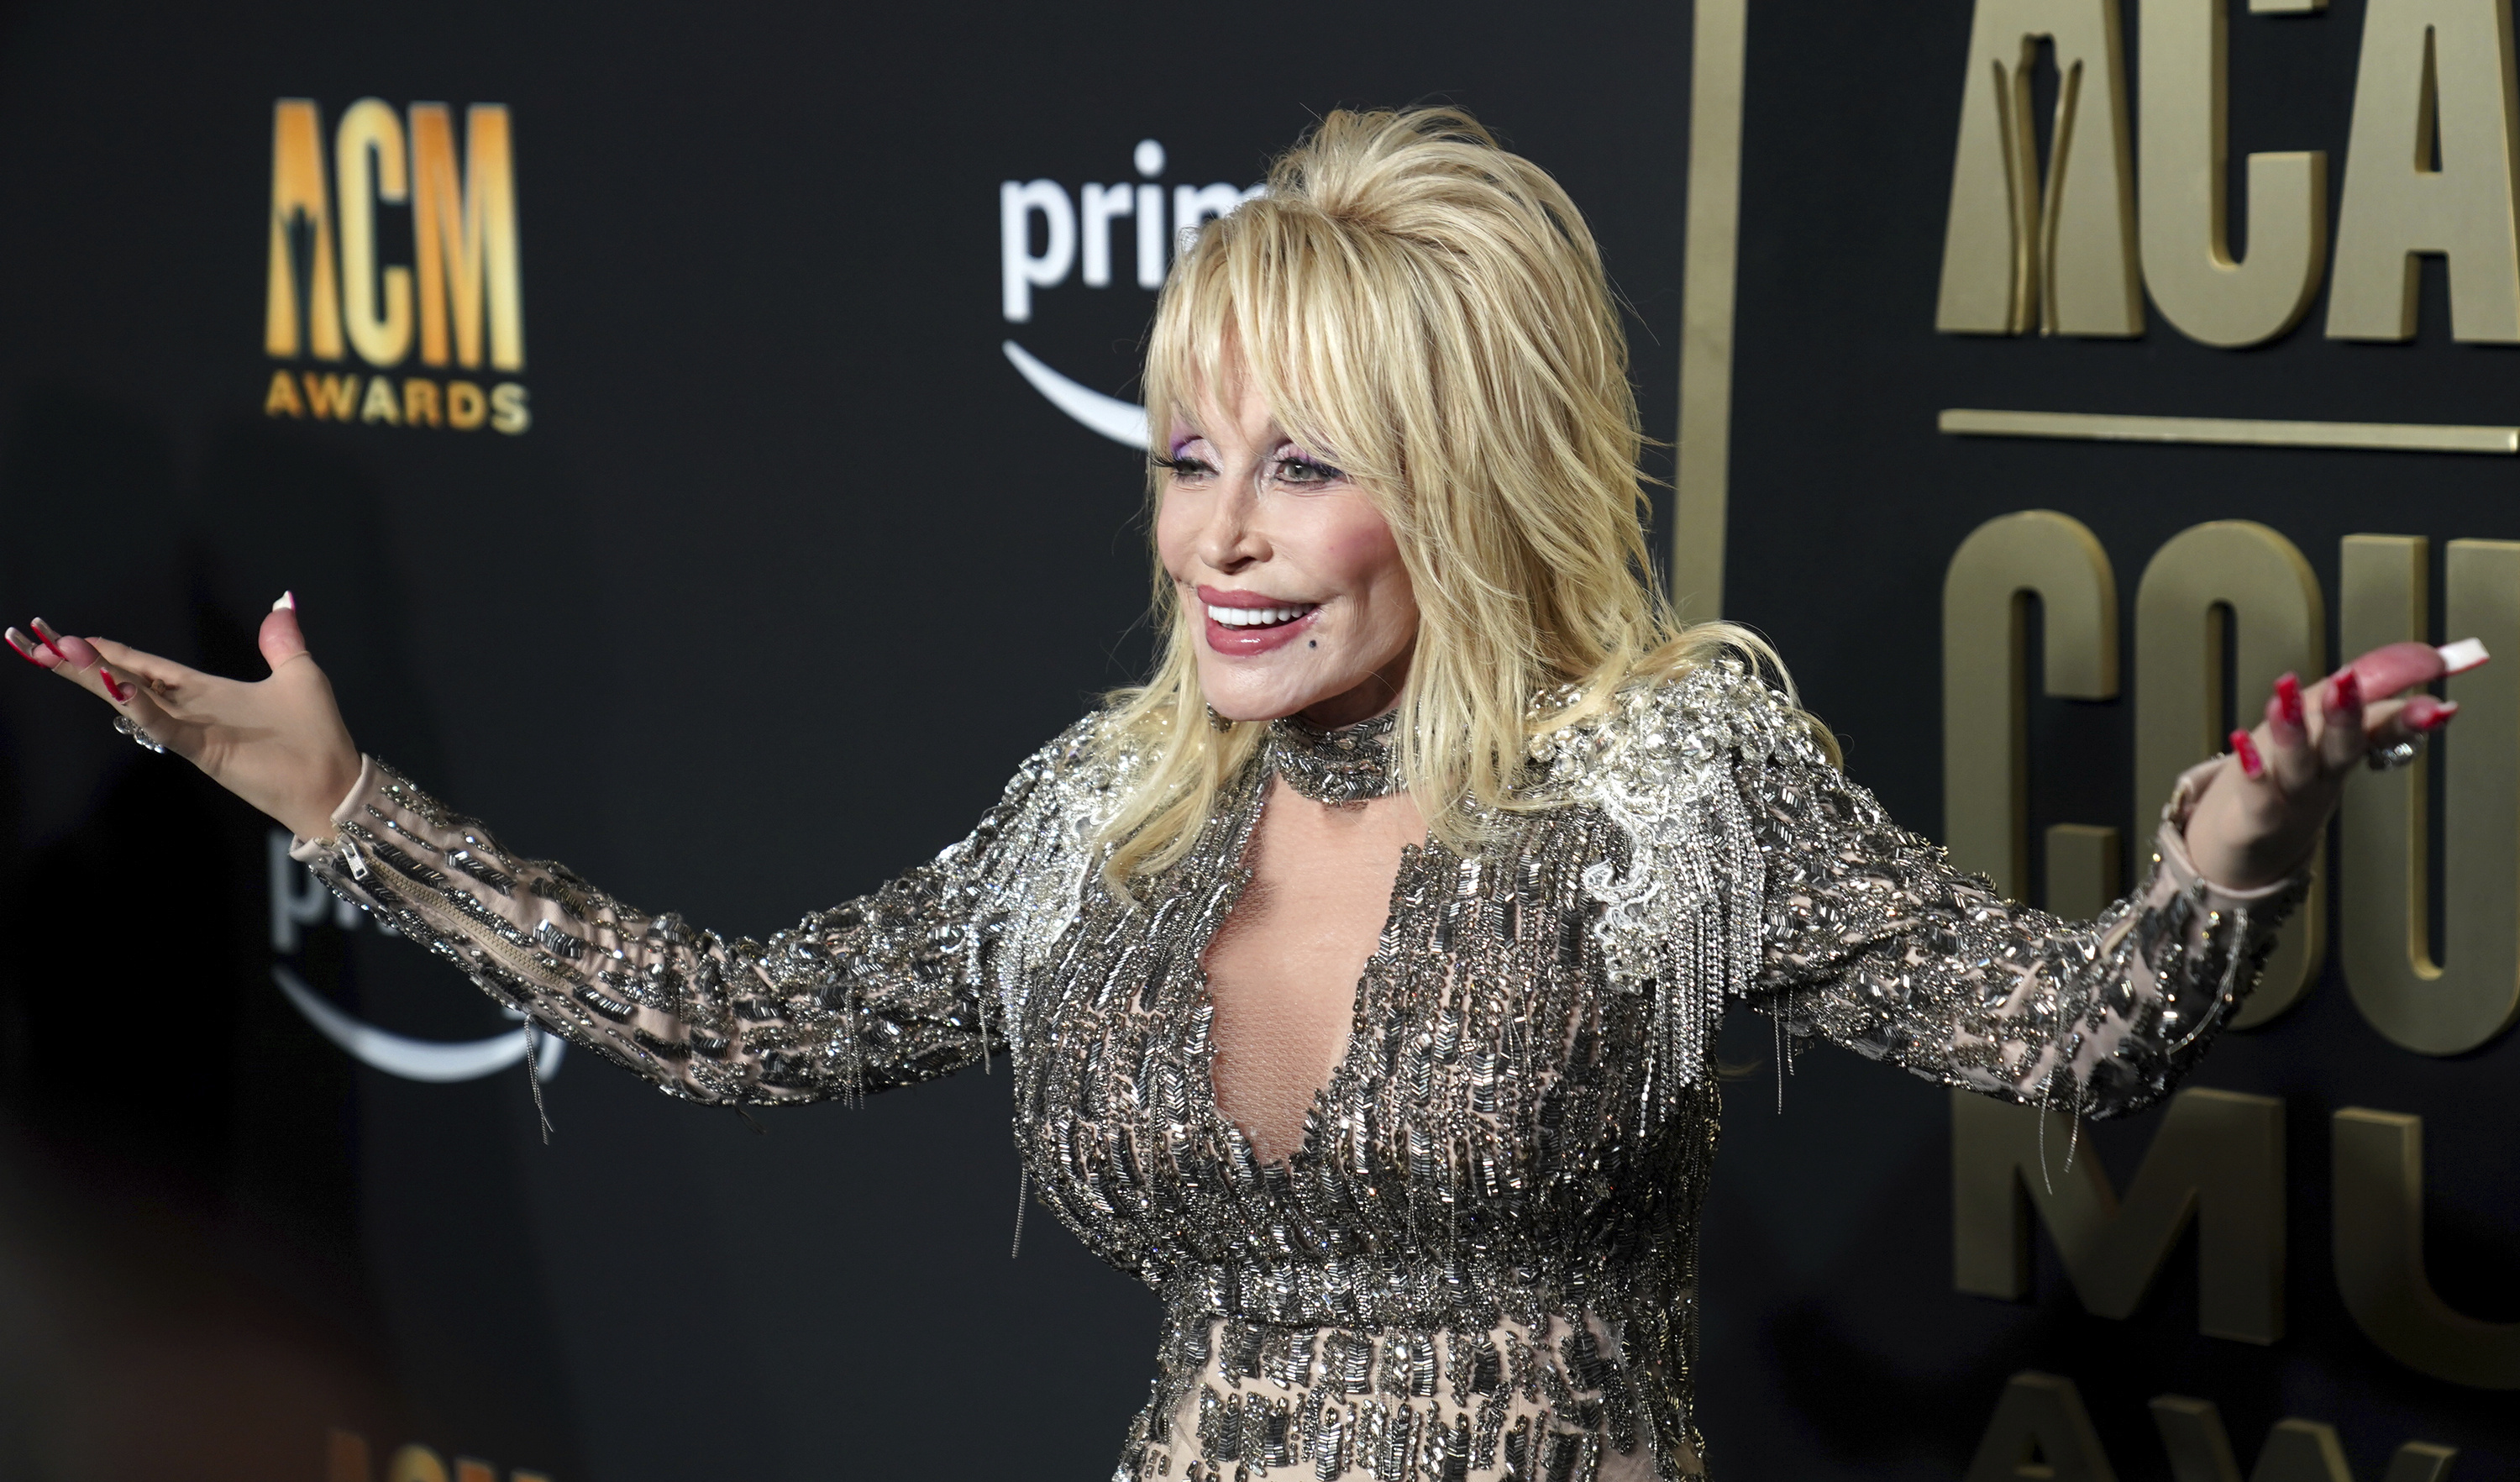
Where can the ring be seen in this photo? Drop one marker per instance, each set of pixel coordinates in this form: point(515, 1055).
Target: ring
point(2391, 758)
point(131, 727)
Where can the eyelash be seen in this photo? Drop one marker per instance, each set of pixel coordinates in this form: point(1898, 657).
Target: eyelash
point(1184, 466)
point(1322, 473)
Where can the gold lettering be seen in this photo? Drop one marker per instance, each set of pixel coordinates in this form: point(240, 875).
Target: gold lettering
point(2040, 1431)
point(465, 230)
point(508, 410)
point(297, 194)
point(370, 166)
point(381, 404)
point(281, 399)
point(416, 1463)
point(2240, 572)
point(465, 407)
point(2377, 1192)
point(420, 402)
point(2013, 248)
point(2454, 1004)
point(2429, 169)
point(2188, 262)
point(1986, 594)
point(329, 395)
point(2296, 1450)
point(2218, 1159)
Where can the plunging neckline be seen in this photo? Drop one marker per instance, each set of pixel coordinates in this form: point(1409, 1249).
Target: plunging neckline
point(1344, 1070)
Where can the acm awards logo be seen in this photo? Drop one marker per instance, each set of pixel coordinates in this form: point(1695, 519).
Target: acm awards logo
point(1046, 232)
point(395, 293)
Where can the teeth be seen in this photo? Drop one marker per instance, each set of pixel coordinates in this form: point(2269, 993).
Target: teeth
point(1254, 617)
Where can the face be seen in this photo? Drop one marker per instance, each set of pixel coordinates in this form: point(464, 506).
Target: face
point(1292, 578)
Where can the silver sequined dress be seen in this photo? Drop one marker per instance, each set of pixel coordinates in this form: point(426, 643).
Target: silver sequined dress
point(1481, 1262)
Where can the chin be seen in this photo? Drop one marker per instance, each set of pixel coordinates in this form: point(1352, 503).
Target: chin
point(1254, 710)
point(1238, 700)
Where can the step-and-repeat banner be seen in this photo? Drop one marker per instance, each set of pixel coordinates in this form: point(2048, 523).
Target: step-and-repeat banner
point(705, 446)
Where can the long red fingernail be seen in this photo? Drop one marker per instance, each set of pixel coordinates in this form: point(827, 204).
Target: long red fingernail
point(2346, 693)
point(2288, 703)
point(2246, 750)
point(17, 640)
point(121, 693)
point(46, 639)
point(2438, 718)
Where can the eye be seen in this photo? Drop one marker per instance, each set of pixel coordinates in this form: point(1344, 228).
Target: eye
point(1294, 468)
point(1184, 466)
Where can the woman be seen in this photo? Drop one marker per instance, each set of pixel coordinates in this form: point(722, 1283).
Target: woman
point(1360, 971)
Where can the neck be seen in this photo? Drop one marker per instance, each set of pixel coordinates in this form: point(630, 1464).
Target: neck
point(1377, 695)
point(1345, 764)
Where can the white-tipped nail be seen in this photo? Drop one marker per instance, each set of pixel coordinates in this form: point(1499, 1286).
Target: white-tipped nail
point(2463, 655)
point(289, 604)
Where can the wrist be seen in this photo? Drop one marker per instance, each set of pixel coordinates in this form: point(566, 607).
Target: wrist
point(2228, 834)
point(335, 783)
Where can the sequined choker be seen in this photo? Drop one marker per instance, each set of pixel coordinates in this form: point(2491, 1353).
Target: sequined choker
point(1348, 765)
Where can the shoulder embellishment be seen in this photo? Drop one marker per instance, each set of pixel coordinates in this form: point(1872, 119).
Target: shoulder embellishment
point(1036, 859)
point(1683, 919)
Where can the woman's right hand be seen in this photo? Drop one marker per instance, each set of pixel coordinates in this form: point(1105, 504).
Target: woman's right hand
point(277, 743)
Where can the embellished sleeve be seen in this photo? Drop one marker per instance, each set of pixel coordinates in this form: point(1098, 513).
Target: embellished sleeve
point(912, 982)
point(1868, 936)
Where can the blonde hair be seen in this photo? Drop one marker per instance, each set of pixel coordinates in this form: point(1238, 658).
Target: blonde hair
point(1428, 312)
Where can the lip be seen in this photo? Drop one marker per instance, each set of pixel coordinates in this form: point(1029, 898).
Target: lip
point(1244, 643)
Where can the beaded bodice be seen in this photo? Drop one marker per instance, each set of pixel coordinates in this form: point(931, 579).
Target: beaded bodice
point(1481, 1260)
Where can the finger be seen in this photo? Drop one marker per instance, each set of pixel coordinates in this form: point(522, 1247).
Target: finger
point(2424, 714)
point(137, 701)
point(2342, 740)
point(163, 675)
point(2287, 752)
point(177, 689)
point(2253, 764)
point(2391, 722)
point(32, 650)
point(68, 648)
point(281, 638)
point(74, 658)
point(2395, 667)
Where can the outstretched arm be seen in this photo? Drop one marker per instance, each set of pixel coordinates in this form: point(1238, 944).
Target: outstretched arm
point(888, 989)
point(1873, 940)
point(891, 988)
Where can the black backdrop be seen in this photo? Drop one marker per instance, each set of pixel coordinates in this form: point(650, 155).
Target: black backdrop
point(789, 569)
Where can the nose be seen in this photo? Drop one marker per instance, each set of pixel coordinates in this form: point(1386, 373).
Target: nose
point(1232, 539)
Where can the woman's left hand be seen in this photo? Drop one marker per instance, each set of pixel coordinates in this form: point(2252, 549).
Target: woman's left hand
point(2266, 809)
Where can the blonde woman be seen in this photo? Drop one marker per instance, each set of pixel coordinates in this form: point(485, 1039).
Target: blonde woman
point(1359, 973)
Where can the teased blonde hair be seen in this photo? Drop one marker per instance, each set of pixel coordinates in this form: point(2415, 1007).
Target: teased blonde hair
point(1428, 312)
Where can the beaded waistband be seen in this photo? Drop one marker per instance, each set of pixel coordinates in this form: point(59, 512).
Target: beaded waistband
point(1389, 1291)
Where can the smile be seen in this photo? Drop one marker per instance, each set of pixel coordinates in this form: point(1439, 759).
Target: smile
point(1246, 624)
point(1257, 618)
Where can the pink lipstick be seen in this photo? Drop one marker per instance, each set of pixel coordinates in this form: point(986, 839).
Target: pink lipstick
point(1240, 624)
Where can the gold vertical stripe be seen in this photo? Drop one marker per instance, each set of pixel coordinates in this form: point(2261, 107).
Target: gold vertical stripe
point(1717, 49)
